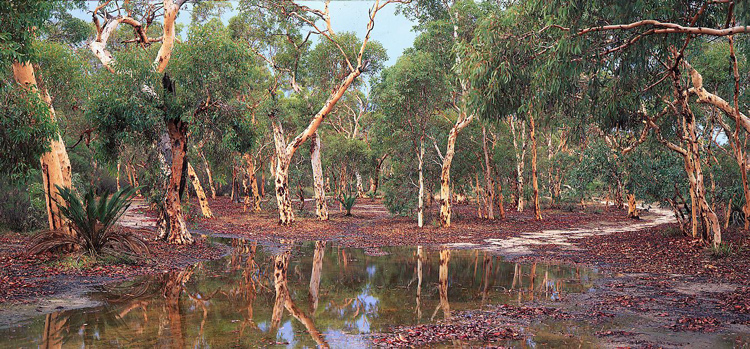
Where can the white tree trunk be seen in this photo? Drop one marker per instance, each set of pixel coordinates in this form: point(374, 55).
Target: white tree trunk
point(321, 206)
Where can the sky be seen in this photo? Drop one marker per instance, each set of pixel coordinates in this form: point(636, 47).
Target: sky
point(393, 31)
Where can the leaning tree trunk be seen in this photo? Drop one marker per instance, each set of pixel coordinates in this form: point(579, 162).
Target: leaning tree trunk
point(488, 176)
point(321, 206)
point(211, 184)
point(177, 230)
point(202, 199)
point(534, 176)
point(445, 173)
point(420, 205)
point(55, 164)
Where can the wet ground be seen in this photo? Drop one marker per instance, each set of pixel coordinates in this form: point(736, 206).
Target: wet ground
point(329, 296)
point(576, 279)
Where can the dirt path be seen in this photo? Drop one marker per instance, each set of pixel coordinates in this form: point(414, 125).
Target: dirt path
point(564, 238)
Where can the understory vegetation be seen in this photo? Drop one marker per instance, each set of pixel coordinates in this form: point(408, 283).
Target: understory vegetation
point(521, 105)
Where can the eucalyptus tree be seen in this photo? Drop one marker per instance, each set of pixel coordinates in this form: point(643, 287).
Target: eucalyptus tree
point(28, 111)
point(200, 88)
point(275, 28)
point(647, 49)
point(446, 26)
point(410, 96)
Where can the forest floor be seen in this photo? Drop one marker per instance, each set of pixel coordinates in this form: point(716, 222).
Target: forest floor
point(657, 288)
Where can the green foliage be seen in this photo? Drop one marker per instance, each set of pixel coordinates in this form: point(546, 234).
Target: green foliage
point(92, 221)
point(25, 129)
point(23, 209)
point(16, 34)
point(724, 250)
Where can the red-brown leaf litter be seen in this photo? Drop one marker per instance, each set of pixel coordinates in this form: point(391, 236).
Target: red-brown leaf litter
point(668, 283)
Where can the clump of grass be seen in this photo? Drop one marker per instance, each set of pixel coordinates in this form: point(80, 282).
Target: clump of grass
point(724, 250)
point(671, 232)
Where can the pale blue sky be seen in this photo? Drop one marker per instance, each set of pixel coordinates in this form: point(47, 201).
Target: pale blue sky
point(391, 30)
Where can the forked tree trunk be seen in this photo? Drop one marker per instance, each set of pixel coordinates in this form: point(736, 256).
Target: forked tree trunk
point(488, 176)
point(202, 199)
point(534, 176)
point(321, 206)
point(445, 173)
point(420, 204)
point(375, 181)
point(55, 164)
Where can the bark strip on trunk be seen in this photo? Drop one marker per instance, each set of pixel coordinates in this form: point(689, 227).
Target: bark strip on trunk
point(445, 172)
point(321, 206)
point(534, 176)
point(54, 163)
point(488, 177)
point(202, 199)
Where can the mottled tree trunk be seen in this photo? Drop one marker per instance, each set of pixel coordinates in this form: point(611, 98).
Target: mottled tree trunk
point(317, 270)
point(54, 163)
point(420, 200)
point(211, 184)
point(488, 176)
point(202, 199)
point(177, 231)
point(500, 199)
point(534, 175)
point(445, 173)
point(520, 159)
point(281, 172)
point(321, 206)
point(445, 257)
point(632, 209)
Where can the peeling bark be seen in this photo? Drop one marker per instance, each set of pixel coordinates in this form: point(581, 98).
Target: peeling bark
point(520, 160)
point(420, 205)
point(534, 176)
point(55, 165)
point(202, 199)
point(321, 206)
point(488, 177)
point(178, 233)
point(445, 173)
point(317, 270)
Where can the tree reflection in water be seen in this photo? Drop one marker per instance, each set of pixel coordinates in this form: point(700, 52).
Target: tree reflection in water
point(345, 292)
point(445, 257)
point(284, 300)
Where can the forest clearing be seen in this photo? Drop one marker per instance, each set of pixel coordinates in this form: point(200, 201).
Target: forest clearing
point(387, 173)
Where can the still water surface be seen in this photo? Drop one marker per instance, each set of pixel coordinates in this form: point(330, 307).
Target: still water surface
point(296, 295)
